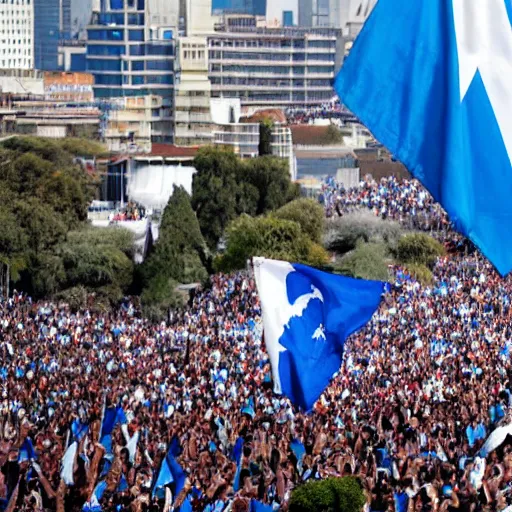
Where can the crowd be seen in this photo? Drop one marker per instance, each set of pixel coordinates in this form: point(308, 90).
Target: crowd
point(132, 212)
point(405, 201)
point(93, 404)
point(331, 110)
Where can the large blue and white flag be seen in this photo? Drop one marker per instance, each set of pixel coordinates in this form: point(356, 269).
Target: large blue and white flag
point(431, 80)
point(307, 316)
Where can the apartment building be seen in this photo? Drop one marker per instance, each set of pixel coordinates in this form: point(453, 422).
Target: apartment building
point(16, 34)
point(281, 67)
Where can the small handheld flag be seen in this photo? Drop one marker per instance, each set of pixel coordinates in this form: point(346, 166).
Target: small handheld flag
point(435, 90)
point(307, 316)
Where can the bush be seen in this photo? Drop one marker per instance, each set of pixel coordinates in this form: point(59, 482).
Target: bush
point(419, 249)
point(367, 261)
point(331, 495)
point(75, 297)
point(343, 233)
point(268, 237)
point(309, 214)
point(421, 273)
point(158, 297)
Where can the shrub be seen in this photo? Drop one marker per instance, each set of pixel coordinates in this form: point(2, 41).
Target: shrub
point(418, 248)
point(421, 273)
point(309, 214)
point(343, 233)
point(159, 296)
point(268, 237)
point(331, 495)
point(367, 261)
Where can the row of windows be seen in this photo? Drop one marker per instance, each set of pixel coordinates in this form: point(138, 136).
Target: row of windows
point(135, 50)
point(262, 82)
point(296, 57)
point(112, 18)
point(137, 65)
point(118, 5)
point(114, 92)
point(273, 96)
point(115, 35)
point(265, 43)
point(277, 70)
point(167, 79)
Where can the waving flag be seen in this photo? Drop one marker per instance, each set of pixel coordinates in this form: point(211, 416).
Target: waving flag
point(112, 417)
point(170, 473)
point(93, 505)
point(307, 316)
point(238, 452)
point(27, 451)
point(431, 80)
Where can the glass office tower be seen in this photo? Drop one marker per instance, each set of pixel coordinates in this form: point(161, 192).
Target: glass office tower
point(46, 34)
point(128, 53)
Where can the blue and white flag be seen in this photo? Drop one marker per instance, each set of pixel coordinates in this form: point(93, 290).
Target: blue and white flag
point(237, 456)
point(431, 80)
point(307, 316)
point(170, 473)
point(27, 451)
point(93, 505)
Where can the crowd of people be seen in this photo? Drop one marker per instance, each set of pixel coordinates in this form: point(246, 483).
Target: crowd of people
point(422, 387)
point(331, 110)
point(405, 201)
point(131, 212)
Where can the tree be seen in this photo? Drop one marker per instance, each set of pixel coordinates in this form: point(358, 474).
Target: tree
point(271, 177)
point(158, 297)
point(268, 237)
point(332, 495)
point(367, 261)
point(265, 147)
point(309, 214)
point(180, 250)
point(225, 187)
point(419, 249)
point(214, 191)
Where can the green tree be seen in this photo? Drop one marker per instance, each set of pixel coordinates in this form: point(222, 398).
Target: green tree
point(158, 297)
point(268, 237)
point(367, 261)
point(265, 147)
point(309, 214)
point(180, 250)
point(214, 191)
point(419, 249)
point(271, 177)
point(332, 495)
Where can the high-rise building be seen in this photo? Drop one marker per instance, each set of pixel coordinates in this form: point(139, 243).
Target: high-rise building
point(348, 15)
point(281, 67)
point(17, 35)
point(46, 34)
point(253, 7)
point(65, 25)
point(130, 51)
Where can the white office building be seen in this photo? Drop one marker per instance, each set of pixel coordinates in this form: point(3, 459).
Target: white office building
point(281, 67)
point(16, 34)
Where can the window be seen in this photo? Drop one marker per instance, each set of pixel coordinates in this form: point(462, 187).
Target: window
point(136, 35)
